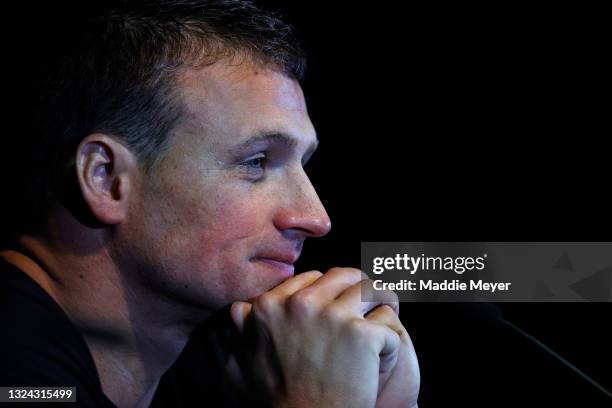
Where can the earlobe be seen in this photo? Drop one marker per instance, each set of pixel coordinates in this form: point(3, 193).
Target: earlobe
point(105, 168)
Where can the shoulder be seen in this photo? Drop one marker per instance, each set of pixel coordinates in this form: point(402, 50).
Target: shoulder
point(40, 345)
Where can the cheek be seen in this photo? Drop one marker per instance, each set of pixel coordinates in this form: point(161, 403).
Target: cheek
point(231, 227)
point(210, 235)
point(237, 232)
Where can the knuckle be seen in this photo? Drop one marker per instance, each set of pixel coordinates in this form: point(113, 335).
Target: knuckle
point(404, 336)
point(352, 274)
point(391, 297)
point(360, 330)
point(385, 310)
point(392, 335)
point(387, 297)
point(332, 315)
point(366, 284)
point(335, 270)
point(301, 302)
point(265, 303)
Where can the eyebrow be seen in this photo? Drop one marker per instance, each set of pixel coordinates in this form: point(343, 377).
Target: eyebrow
point(276, 137)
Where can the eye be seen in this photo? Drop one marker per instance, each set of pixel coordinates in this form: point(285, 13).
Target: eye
point(255, 165)
point(256, 162)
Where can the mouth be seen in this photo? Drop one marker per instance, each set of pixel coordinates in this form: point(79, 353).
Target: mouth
point(284, 268)
point(279, 262)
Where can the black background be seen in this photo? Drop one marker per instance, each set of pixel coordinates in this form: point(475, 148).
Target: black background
point(455, 122)
point(466, 123)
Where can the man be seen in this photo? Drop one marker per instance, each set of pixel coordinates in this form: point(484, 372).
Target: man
point(167, 142)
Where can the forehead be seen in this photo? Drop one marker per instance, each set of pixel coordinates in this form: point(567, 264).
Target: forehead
point(239, 100)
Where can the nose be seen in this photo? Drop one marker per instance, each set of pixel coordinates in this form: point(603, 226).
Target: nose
point(302, 213)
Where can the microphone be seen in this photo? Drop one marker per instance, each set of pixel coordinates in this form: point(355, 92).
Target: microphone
point(497, 314)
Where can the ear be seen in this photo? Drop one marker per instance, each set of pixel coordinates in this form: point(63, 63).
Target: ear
point(107, 171)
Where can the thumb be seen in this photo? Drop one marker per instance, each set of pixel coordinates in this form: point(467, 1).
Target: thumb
point(239, 312)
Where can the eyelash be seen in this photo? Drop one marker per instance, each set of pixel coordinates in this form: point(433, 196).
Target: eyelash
point(255, 164)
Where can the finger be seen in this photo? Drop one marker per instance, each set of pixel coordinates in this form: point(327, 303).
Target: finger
point(351, 300)
point(389, 354)
point(329, 286)
point(292, 285)
point(388, 344)
point(385, 297)
point(239, 313)
point(405, 379)
point(385, 316)
point(390, 358)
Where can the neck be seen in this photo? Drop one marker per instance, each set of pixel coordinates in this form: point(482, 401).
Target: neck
point(134, 336)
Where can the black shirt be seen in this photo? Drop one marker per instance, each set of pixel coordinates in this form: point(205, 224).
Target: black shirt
point(39, 345)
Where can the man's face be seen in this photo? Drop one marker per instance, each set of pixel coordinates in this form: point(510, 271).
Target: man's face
point(225, 213)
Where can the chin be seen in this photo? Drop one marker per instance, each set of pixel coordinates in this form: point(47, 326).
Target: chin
point(246, 282)
point(249, 288)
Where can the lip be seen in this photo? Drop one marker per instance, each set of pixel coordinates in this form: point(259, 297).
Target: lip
point(280, 260)
point(285, 268)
